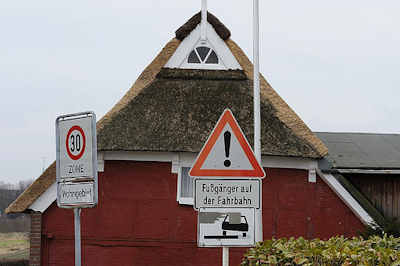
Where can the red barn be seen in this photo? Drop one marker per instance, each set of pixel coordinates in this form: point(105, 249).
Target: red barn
point(148, 142)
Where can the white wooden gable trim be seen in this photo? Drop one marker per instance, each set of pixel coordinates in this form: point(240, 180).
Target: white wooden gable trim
point(226, 59)
point(45, 200)
point(347, 198)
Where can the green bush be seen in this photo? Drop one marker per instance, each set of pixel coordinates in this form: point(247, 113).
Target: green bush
point(335, 251)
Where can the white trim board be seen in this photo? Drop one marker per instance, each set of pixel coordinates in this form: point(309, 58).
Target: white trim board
point(187, 159)
point(346, 197)
point(45, 200)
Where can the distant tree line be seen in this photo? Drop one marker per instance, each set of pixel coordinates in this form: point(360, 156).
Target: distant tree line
point(12, 222)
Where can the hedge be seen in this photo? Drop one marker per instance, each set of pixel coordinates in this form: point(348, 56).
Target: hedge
point(335, 251)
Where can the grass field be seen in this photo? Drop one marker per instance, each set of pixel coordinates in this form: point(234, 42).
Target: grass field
point(14, 246)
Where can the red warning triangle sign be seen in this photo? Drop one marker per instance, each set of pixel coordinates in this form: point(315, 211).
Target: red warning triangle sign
point(226, 152)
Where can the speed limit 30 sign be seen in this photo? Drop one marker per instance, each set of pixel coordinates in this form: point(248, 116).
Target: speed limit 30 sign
point(75, 143)
point(76, 150)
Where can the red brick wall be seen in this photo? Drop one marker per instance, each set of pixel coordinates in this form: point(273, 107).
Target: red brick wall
point(35, 239)
point(139, 222)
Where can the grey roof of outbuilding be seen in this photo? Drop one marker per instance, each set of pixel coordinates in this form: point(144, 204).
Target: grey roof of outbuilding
point(362, 150)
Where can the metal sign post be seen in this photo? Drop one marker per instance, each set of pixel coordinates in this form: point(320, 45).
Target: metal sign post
point(225, 256)
point(77, 227)
point(76, 164)
point(256, 101)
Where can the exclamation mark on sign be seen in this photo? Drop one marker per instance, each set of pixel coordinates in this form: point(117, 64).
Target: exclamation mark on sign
point(227, 139)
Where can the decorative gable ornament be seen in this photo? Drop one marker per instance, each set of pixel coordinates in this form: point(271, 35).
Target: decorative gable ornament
point(195, 53)
point(227, 152)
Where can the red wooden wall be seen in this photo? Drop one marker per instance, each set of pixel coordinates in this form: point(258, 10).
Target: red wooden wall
point(139, 222)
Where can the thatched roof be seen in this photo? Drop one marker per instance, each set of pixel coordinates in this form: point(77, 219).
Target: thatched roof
point(176, 109)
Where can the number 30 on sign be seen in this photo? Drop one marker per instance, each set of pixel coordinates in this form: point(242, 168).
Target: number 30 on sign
point(76, 142)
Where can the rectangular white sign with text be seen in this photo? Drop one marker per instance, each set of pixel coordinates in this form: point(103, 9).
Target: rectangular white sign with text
point(226, 193)
point(76, 193)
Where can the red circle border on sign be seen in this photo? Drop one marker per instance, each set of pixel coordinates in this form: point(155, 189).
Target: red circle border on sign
point(76, 157)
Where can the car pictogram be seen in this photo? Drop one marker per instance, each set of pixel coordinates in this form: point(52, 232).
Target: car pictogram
point(243, 226)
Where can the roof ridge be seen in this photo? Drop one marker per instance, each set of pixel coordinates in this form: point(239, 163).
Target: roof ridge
point(192, 23)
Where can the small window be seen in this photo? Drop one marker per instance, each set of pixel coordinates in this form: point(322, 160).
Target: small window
point(203, 55)
point(212, 58)
point(185, 186)
point(203, 52)
point(193, 58)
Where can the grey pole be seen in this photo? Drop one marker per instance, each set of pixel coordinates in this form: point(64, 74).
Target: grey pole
point(225, 256)
point(257, 114)
point(77, 223)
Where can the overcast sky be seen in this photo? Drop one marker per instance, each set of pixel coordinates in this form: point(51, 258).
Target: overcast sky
point(335, 63)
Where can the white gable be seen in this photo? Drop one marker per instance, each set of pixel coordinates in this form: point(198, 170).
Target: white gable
point(226, 60)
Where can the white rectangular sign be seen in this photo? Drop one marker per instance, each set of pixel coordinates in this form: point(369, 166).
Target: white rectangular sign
point(75, 143)
point(229, 227)
point(226, 193)
point(76, 193)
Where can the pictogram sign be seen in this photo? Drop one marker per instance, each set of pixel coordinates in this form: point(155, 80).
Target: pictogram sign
point(226, 227)
point(226, 152)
